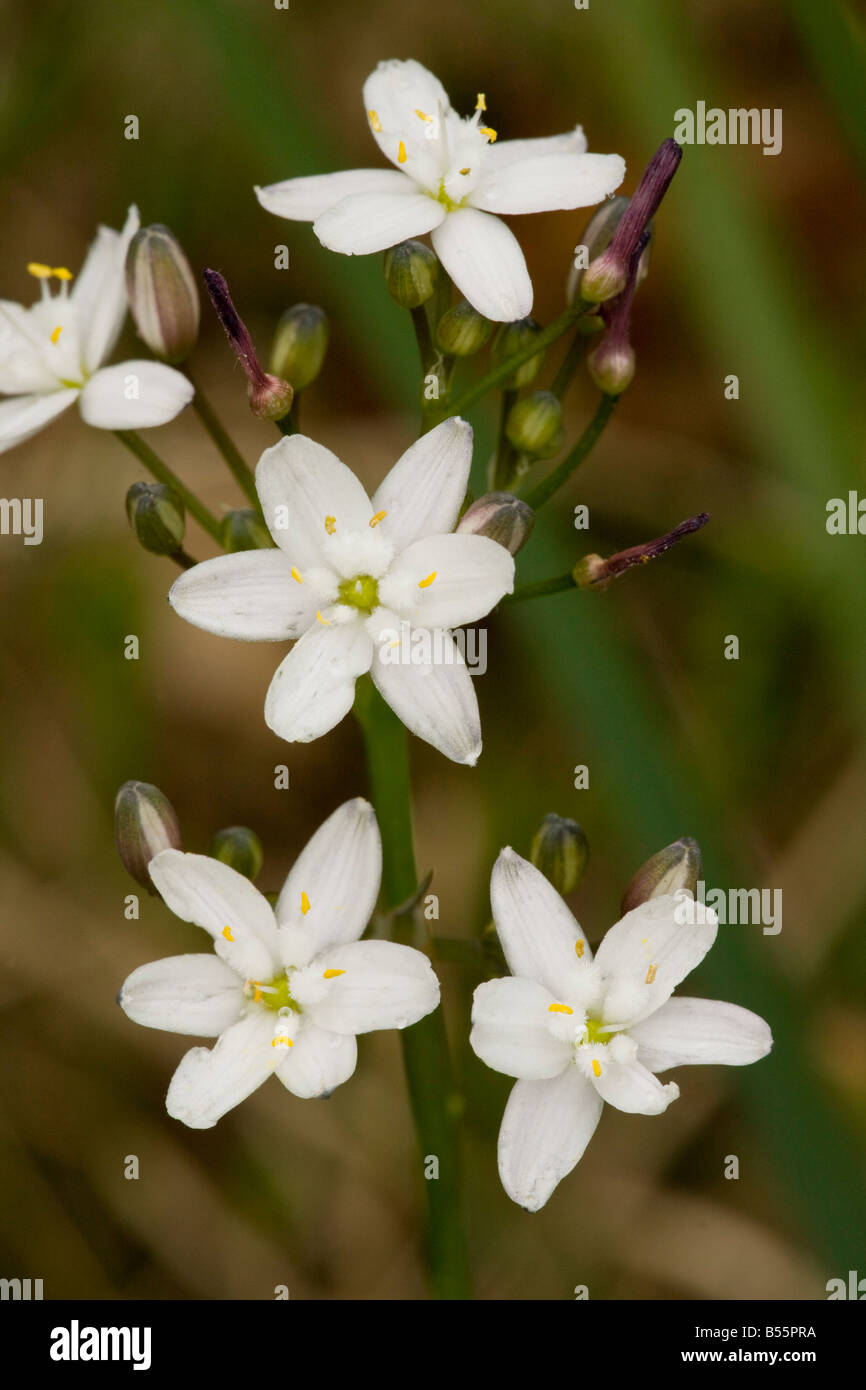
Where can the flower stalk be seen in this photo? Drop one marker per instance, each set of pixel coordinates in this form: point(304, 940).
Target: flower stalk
point(163, 474)
point(238, 467)
point(544, 490)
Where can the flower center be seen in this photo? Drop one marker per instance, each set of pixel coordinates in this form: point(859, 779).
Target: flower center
point(596, 1032)
point(362, 593)
point(447, 202)
point(272, 994)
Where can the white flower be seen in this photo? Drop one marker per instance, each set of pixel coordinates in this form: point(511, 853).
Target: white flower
point(288, 988)
point(52, 353)
point(347, 573)
point(452, 174)
point(578, 1032)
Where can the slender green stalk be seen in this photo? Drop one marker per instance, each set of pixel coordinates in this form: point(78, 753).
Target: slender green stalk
point(431, 362)
point(181, 558)
point(541, 588)
point(163, 474)
point(498, 374)
point(569, 365)
point(240, 469)
point(544, 490)
point(504, 462)
point(433, 1098)
point(287, 425)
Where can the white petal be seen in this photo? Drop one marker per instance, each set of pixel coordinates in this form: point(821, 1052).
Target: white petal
point(197, 994)
point(543, 184)
point(646, 954)
point(435, 701)
point(250, 595)
point(368, 222)
point(211, 1081)
point(304, 483)
point(545, 1129)
point(24, 345)
point(203, 890)
point(505, 152)
point(424, 491)
point(630, 1087)
point(305, 199)
point(99, 293)
point(396, 91)
point(384, 985)
point(23, 416)
point(318, 1062)
point(536, 929)
point(337, 877)
point(135, 396)
point(486, 263)
point(314, 687)
point(686, 1032)
point(509, 1031)
point(472, 573)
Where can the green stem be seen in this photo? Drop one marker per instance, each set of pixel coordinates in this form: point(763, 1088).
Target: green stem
point(163, 474)
point(181, 558)
point(569, 365)
point(498, 374)
point(431, 361)
point(541, 587)
point(240, 469)
point(433, 1097)
point(287, 424)
point(563, 471)
point(504, 462)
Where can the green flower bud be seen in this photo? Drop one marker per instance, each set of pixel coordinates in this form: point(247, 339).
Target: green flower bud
point(501, 517)
point(240, 848)
point(162, 293)
point(156, 515)
point(676, 867)
point(411, 272)
point(534, 423)
point(244, 529)
point(591, 573)
point(271, 398)
point(560, 850)
point(512, 338)
point(612, 364)
point(300, 344)
point(144, 823)
point(462, 330)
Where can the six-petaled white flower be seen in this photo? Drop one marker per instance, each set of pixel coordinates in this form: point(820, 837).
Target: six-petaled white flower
point(52, 353)
point(348, 572)
point(452, 176)
point(289, 987)
point(578, 1032)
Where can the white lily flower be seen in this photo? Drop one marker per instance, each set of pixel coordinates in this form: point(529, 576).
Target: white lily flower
point(578, 1032)
point(451, 176)
point(348, 572)
point(52, 353)
point(288, 988)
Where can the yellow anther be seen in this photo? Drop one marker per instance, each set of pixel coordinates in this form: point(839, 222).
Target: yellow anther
point(257, 995)
point(305, 904)
point(425, 583)
point(644, 941)
point(42, 272)
point(330, 524)
point(374, 120)
point(295, 575)
point(579, 947)
point(56, 334)
point(489, 132)
point(61, 273)
point(380, 516)
point(596, 1067)
point(559, 1009)
point(481, 102)
point(651, 974)
point(326, 622)
point(466, 171)
point(332, 974)
point(401, 153)
point(422, 115)
point(227, 933)
point(282, 1040)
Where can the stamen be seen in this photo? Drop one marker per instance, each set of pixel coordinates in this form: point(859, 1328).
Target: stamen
point(651, 974)
point(579, 947)
point(42, 272)
point(305, 904)
point(326, 622)
point(596, 1067)
point(56, 334)
point(559, 1009)
point(466, 171)
point(282, 1041)
point(481, 102)
point(422, 115)
point(380, 516)
point(294, 573)
point(330, 524)
point(425, 583)
point(401, 153)
point(227, 933)
point(61, 273)
point(489, 132)
point(257, 996)
point(332, 974)
point(374, 121)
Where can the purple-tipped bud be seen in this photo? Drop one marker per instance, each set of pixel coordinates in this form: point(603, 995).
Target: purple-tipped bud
point(501, 517)
point(674, 868)
point(270, 397)
point(144, 823)
point(607, 276)
point(594, 572)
